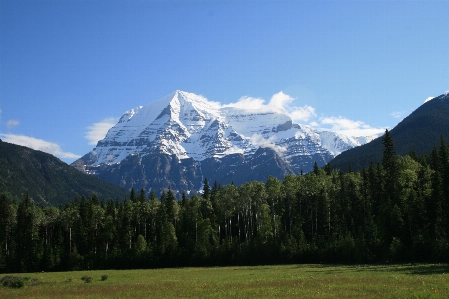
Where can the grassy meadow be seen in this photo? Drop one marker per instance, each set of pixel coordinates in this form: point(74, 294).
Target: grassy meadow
point(288, 281)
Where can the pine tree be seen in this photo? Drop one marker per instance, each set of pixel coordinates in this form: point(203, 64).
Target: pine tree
point(389, 165)
point(206, 189)
point(328, 169)
point(6, 227)
point(388, 158)
point(170, 207)
point(435, 159)
point(142, 196)
point(24, 236)
point(316, 169)
point(132, 195)
point(152, 195)
point(444, 166)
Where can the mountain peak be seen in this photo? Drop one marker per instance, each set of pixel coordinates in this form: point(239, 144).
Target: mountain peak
point(190, 126)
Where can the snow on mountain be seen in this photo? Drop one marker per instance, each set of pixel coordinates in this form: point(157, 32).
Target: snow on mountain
point(337, 143)
point(190, 126)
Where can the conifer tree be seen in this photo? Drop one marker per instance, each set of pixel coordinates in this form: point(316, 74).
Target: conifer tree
point(171, 207)
point(316, 169)
point(444, 166)
point(389, 155)
point(24, 236)
point(206, 189)
point(142, 196)
point(328, 169)
point(6, 226)
point(132, 195)
point(389, 165)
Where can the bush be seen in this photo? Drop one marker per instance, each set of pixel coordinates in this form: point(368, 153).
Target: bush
point(86, 279)
point(13, 281)
point(104, 277)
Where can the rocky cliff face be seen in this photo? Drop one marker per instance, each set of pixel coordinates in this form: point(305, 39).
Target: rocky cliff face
point(182, 138)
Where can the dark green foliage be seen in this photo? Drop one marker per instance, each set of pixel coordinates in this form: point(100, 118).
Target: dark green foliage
point(47, 179)
point(86, 279)
point(104, 277)
point(395, 211)
point(15, 282)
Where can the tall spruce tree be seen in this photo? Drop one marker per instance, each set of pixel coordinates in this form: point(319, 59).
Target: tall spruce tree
point(389, 155)
point(206, 189)
point(5, 225)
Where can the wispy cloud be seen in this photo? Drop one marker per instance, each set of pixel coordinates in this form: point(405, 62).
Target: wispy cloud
point(280, 103)
point(349, 127)
point(39, 144)
point(283, 103)
point(397, 114)
point(12, 123)
point(98, 131)
point(248, 103)
point(260, 141)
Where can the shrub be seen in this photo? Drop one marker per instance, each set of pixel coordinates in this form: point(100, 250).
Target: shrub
point(13, 281)
point(86, 279)
point(104, 277)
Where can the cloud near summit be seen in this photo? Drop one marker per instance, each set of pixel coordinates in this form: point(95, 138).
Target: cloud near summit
point(283, 103)
point(98, 130)
point(279, 102)
point(349, 127)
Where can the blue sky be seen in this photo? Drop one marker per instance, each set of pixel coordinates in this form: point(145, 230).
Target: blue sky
point(69, 69)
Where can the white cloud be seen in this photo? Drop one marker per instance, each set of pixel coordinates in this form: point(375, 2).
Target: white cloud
point(302, 113)
point(428, 99)
point(98, 131)
point(259, 140)
point(279, 103)
point(12, 123)
point(248, 103)
point(280, 100)
point(349, 127)
point(397, 114)
point(38, 144)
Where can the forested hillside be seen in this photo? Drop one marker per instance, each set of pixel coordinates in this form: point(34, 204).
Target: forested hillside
point(394, 211)
point(46, 179)
point(418, 132)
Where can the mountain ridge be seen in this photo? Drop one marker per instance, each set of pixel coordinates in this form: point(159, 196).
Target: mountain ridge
point(420, 131)
point(190, 129)
point(46, 179)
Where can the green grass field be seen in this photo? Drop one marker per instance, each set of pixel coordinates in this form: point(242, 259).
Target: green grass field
point(291, 281)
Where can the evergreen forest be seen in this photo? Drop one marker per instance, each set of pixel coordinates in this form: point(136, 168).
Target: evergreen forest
point(390, 212)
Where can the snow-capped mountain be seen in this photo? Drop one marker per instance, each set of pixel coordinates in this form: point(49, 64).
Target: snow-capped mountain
point(200, 133)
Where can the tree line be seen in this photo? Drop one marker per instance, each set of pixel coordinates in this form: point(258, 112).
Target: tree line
point(393, 211)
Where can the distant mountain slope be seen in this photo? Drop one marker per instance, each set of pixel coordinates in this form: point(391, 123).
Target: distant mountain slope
point(47, 179)
point(419, 131)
